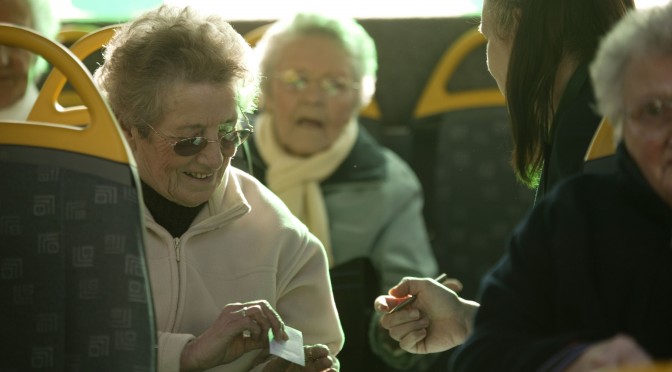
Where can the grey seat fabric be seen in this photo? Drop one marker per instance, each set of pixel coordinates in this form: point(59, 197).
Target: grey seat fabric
point(73, 280)
point(74, 284)
point(472, 199)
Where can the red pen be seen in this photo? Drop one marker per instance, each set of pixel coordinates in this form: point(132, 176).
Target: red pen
point(410, 300)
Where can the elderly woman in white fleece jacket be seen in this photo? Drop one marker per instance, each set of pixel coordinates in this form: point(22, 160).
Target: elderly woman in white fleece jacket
point(227, 259)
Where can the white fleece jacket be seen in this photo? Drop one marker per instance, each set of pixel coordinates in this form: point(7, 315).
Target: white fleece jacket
point(244, 245)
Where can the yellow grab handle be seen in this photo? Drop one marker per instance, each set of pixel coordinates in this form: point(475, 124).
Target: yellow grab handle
point(436, 99)
point(51, 126)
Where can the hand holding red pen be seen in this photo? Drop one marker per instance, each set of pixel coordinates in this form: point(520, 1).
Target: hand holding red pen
point(434, 319)
point(410, 299)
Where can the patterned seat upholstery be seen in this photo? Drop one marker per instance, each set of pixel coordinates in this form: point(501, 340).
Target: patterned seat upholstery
point(473, 201)
point(73, 277)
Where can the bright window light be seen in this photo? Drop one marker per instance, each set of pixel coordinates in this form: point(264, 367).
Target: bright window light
point(122, 10)
point(650, 3)
point(107, 11)
point(272, 9)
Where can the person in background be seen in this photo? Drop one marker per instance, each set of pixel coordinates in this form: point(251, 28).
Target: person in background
point(586, 282)
point(227, 260)
point(538, 52)
point(19, 68)
point(359, 198)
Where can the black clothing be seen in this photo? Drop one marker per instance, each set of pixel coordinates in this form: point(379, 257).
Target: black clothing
point(575, 123)
point(591, 260)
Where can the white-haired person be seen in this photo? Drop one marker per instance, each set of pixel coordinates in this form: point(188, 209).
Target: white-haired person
point(19, 68)
point(586, 282)
point(227, 260)
point(359, 198)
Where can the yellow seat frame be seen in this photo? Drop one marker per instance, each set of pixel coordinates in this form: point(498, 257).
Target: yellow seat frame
point(90, 129)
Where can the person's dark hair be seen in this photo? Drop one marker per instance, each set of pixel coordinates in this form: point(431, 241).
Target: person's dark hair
point(542, 33)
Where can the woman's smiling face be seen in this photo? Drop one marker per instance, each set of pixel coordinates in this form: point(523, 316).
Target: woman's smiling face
point(192, 110)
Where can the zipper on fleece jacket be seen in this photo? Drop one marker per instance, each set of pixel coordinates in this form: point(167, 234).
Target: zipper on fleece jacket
point(178, 250)
point(177, 244)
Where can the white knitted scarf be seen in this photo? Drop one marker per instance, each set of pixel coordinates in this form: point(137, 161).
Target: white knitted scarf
point(296, 180)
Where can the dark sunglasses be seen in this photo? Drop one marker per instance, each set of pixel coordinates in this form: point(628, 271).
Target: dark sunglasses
point(193, 145)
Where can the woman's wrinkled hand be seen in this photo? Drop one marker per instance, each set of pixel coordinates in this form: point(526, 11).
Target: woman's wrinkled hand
point(239, 328)
point(318, 359)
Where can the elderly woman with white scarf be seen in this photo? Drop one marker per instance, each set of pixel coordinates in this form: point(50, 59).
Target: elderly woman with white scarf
point(359, 198)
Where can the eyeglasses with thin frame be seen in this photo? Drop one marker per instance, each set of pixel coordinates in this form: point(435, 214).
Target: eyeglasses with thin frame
point(333, 86)
point(655, 113)
point(188, 146)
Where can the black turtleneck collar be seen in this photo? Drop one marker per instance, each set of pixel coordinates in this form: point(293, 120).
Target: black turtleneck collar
point(173, 217)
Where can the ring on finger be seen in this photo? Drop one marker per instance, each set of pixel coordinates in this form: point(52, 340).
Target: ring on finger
point(247, 333)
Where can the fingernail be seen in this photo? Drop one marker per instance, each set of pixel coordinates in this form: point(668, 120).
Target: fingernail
point(415, 314)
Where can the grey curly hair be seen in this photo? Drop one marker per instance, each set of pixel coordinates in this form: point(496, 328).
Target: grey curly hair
point(169, 45)
point(640, 33)
point(347, 31)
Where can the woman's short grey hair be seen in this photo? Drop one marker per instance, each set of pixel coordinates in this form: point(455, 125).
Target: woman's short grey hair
point(45, 22)
point(347, 31)
point(641, 33)
point(170, 45)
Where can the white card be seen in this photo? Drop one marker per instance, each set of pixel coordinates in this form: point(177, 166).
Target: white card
point(292, 349)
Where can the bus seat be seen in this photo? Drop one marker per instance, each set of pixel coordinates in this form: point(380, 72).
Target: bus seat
point(437, 99)
point(75, 285)
point(460, 152)
point(253, 36)
point(84, 41)
point(70, 33)
point(600, 157)
point(371, 119)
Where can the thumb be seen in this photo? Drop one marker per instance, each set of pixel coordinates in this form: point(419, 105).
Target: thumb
point(405, 287)
point(453, 284)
